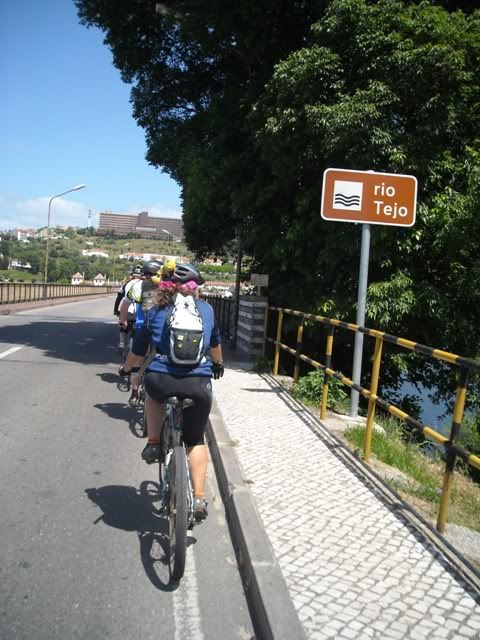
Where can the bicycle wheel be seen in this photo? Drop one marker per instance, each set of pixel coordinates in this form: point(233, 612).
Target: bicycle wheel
point(178, 512)
point(141, 404)
point(143, 425)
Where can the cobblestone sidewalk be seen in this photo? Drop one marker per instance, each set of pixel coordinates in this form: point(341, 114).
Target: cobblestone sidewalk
point(354, 566)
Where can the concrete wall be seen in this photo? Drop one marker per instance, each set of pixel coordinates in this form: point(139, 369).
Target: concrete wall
point(251, 322)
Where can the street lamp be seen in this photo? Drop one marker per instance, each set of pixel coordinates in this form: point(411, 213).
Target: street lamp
point(171, 234)
point(77, 188)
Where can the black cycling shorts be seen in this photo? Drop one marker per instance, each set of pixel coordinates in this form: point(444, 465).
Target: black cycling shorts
point(161, 386)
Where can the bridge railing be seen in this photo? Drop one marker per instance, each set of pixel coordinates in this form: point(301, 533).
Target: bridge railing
point(465, 367)
point(223, 309)
point(14, 292)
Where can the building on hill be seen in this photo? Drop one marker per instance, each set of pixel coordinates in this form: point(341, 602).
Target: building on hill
point(121, 224)
point(98, 253)
point(99, 280)
point(19, 264)
point(24, 234)
point(77, 278)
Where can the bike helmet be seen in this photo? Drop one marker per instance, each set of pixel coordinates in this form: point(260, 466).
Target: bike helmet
point(168, 268)
point(151, 268)
point(185, 272)
point(137, 270)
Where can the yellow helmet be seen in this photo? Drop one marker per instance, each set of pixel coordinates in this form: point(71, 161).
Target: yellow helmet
point(168, 268)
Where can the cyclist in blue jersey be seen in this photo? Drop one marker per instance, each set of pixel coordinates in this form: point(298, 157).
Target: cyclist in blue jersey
point(138, 301)
point(164, 378)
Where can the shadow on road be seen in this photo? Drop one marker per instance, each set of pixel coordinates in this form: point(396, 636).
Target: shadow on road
point(131, 509)
point(83, 342)
point(122, 411)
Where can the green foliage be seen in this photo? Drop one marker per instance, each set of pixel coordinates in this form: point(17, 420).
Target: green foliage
point(15, 275)
point(217, 269)
point(393, 447)
point(309, 388)
point(65, 255)
point(246, 105)
point(263, 364)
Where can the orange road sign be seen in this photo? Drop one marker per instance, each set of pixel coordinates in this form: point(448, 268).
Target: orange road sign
point(369, 197)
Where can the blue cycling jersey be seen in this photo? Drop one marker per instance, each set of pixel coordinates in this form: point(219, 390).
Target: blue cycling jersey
point(155, 330)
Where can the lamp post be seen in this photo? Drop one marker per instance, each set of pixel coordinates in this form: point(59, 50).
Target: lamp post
point(79, 186)
point(171, 234)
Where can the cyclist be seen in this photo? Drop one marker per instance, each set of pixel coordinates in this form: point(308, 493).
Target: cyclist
point(164, 379)
point(140, 295)
point(126, 310)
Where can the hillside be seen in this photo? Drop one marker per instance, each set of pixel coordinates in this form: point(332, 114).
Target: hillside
point(66, 257)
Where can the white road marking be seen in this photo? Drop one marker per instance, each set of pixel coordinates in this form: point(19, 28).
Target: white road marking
point(10, 351)
point(186, 610)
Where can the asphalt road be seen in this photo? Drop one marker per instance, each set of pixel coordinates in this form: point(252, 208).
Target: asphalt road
point(82, 547)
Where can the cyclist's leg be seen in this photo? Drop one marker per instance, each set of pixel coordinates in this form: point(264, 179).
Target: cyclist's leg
point(197, 462)
point(134, 379)
point(155, 413)
point(155, 417)
point(195, 420)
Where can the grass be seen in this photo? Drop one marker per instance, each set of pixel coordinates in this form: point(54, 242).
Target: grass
point(421, 478)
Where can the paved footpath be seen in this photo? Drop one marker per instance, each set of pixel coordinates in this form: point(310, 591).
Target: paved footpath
point(354, 564)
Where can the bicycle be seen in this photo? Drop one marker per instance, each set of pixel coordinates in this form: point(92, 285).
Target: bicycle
point(175, 484)
point(140, 403)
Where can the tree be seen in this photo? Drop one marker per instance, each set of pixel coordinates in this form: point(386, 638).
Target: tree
point(246, 106)
point(196, 70)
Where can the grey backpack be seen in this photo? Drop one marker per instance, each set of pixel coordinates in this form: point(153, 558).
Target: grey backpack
point(187, 335)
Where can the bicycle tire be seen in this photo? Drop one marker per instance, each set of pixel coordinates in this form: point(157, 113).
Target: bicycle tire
point(143, 425)
point(141, 404)
point(178, 512)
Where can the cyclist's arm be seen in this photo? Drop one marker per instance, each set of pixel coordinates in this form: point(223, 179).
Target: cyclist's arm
point(216, 353)
point(215, 344)
point(123, 308)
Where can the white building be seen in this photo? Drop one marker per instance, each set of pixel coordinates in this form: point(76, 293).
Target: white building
point(95, 252)
point(77, 278)
point(24, 234)
point(99, 280)
point(18, 264)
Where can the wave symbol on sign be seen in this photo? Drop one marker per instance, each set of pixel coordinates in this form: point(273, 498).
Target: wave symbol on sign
point(346, 201)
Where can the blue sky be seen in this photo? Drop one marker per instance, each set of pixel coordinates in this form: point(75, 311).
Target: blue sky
point(65, 119)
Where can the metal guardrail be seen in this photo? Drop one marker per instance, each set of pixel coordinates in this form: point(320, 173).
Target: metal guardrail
point(12, 292)
point(223, 309)
point(465, 365)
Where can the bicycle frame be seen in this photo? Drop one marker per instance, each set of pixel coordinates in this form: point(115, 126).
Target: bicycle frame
point(172, 438)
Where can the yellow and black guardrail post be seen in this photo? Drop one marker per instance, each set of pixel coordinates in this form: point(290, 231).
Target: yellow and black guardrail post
point(277, 344)
point(296, 369)
point(451, 454)
point(377, 358)
point(328, 363)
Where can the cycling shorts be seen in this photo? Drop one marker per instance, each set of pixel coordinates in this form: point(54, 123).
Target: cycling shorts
point(161, 386)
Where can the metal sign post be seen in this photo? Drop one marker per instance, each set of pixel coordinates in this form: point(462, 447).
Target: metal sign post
point(360, 320)
point(370, 198)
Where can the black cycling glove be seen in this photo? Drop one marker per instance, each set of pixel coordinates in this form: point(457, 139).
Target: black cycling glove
point(218, 370)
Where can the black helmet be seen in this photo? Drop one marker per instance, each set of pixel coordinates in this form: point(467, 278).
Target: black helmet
point(137, 270)
point(186, 272)
point(151, 268)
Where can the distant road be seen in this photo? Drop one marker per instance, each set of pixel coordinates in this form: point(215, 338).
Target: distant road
point(82, 545)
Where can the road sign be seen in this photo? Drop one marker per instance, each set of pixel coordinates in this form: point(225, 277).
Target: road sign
point(259, 279)
point(369, 197)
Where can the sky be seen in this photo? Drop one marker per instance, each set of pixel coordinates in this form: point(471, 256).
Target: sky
point(65, 120)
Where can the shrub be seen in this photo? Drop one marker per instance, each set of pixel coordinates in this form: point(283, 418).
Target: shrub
point(309, 388)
